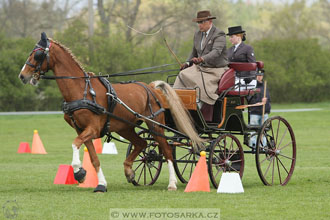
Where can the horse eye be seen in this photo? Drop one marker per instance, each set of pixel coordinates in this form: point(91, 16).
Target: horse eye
point(39, 55)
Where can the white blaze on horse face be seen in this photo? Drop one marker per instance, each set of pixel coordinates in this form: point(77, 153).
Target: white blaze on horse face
point(101, 178)
point(172, 178)
point(23, 68)
point(76, 164)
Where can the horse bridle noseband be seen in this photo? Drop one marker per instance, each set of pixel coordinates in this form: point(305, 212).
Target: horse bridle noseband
point(39, 56)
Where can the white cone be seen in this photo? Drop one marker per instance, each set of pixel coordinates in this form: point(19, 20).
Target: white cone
point(109, 148)
point(230, 183)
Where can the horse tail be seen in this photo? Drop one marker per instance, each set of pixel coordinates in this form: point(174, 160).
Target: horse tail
point(179, 113)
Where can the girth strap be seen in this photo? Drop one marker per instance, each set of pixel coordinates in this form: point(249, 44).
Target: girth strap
point(69, 107)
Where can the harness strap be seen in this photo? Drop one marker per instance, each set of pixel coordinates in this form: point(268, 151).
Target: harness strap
point(110, 137)
point(153, 115)
point(111, 106)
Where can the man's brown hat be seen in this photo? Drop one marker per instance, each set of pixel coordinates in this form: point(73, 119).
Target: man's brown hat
point(203, 15)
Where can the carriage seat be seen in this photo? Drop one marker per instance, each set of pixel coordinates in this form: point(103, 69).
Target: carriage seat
point(227, 84)
point(260, 65)
point(227, 81)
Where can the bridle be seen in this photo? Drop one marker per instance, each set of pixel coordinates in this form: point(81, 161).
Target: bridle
point(40, 53)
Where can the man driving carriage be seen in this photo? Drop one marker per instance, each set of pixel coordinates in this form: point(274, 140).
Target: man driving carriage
point(207, 61)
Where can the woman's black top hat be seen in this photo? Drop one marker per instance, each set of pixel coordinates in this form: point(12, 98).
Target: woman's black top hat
point(235, 30)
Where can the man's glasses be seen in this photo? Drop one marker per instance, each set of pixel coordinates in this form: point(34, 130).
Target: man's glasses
point(201, 22)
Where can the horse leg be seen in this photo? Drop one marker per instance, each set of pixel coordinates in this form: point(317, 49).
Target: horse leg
point(167, 151)
point(102, 183)
point(139, 145)
point(79, 172)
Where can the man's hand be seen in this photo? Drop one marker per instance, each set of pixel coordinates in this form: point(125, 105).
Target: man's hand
point(197, 60)
point(186, 65)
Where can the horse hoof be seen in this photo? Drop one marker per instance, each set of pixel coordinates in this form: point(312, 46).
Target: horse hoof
point(80, 176)
point(130, 178)
point(171, 188)
point(100, 189)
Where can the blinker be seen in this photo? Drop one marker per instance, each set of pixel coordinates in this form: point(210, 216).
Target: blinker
point(39, 56)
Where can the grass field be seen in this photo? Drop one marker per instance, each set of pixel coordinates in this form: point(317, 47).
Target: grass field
point(28, 179)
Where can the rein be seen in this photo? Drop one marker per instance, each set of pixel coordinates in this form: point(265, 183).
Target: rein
point(128, 73)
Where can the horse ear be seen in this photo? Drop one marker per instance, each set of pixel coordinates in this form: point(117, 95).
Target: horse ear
point(43, 37)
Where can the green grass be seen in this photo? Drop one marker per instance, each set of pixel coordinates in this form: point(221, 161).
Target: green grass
point(28, 178)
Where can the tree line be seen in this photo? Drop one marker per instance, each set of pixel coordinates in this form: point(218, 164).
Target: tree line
point(291, 39)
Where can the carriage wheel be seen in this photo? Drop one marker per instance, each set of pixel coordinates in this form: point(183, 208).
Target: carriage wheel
point(226, 155)
point(148, 163)
point(275, 152)
point(184, 160)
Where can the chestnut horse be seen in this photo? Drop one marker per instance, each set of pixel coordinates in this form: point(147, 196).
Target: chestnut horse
point(75, 84)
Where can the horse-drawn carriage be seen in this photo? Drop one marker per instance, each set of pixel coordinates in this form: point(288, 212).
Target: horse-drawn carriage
point(275, 151)
point(94, 108)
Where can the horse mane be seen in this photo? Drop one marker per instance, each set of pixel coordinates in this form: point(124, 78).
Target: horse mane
point(66, 49)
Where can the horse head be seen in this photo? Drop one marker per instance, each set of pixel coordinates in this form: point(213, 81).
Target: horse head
point(35, 65)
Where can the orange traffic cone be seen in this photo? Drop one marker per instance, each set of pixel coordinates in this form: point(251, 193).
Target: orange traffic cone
point(199, 180)
point(91, 176)
point(64, 175)
point(98, 145)
point(24, 147)
point(37, 146)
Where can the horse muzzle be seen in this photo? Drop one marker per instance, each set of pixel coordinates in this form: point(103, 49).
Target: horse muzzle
point(23, 78)
point(31, 79)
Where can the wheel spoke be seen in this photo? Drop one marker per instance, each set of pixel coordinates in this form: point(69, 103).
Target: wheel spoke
point(155, 167)
point(278, 128)
point(230, 156)
point(218, 167)
point(150, 173)
point(278, 170)
point(273, 171)
point(186, 164)
point(234, 169)
point(231, 145)
point(283, 165)
point(191, 170)
point(285, 145)
point(219, 164)
point(268, 166)
point(138, 166)
point(183, 147)
point(218, 157)
point(271, 125)
point(281, 139)
point(184, 156)
point(141, 173)
point(145, 174)
point(267, 157)
point(218, 171)
point(290, 158)
point(224, 148)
